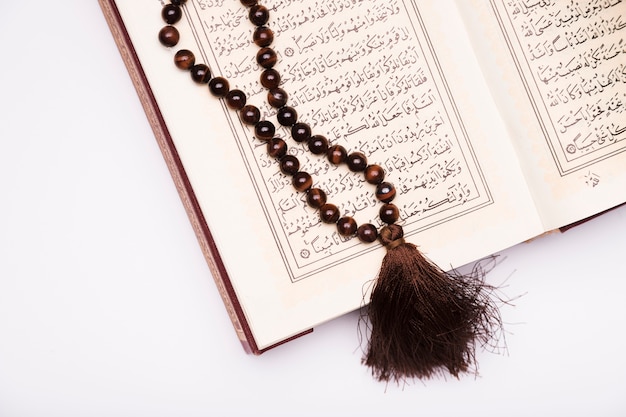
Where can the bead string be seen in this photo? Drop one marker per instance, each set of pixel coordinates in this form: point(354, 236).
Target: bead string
point(264, 130)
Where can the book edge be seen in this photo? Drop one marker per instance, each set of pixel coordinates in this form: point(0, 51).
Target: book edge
point(182, 183)
point(586, 219)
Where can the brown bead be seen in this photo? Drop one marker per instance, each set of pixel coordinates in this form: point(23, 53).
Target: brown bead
point(200, 73)
point(259, 15)
point(385, 192)
point(277, 97)
point(289, 164)
point(374, 174)
point(301, 132)
point(318, 144)
point(171, 13)
point(329, 213)
point(287, 116)
point(169, 36)
point(184, 59)
point(264, 130)
point(266, 57)
point(270, 78)
point(236, 99)
point(337, 154)
point(179, 2)
point(263, 36)
point(250, 114)
point(276, 147)
point(316, 198)
point(302, 181)
point(389, 213)
point(346, 226)
point(218, 86)
point(248, 3)
point(357, 162)
point(367, 233)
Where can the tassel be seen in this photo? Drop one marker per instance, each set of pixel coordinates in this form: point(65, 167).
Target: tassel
point(423, 320)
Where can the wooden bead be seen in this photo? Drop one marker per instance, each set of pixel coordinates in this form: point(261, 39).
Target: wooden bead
point(367, 233)
point(264, 130)
point(236, 99)
point(179, 2)
point(301, 132)
point(316, 198)
point(250, 114)
point(169, 36)
point(200, 73)
point(248, 3)
point(385, 192)
point(337, 154)
point(259, 15)
point(276, 147)
point(389, 213)
point(287, 116)
point(171, 13)
point(374, 174)
point(184, 59)
point(270, 78)
point(277, 97)
point(263, 36)
point(346, 226)
point(289, 164)
point(219, 87)
point(302, 181)
point(329, 213)
point(318, 144)
point(357, 162)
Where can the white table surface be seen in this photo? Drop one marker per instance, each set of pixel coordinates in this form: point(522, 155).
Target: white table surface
point(107, 307)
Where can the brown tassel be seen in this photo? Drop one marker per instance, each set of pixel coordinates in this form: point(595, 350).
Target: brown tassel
point(423, 320)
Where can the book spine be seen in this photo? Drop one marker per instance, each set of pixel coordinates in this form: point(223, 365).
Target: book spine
point(203, 234)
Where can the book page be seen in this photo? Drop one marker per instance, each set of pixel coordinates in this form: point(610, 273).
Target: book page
point(558, 72)
point(394, 80)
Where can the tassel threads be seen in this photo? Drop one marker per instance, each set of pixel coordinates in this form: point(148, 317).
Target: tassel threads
point(423, 320)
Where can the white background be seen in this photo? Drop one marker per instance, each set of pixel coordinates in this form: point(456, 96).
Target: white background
point(107, 307)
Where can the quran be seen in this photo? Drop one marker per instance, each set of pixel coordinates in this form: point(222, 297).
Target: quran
point(496, 121)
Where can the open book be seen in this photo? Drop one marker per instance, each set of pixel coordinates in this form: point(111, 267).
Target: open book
point(495, 120)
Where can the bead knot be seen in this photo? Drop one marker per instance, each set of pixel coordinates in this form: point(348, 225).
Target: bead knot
point(391, 236)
